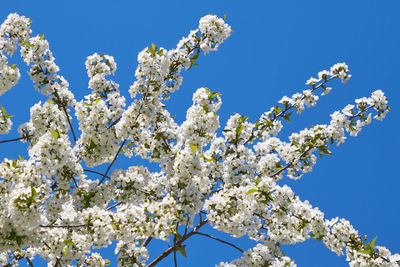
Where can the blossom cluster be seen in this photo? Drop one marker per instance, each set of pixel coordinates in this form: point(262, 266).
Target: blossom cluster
point(53, 206)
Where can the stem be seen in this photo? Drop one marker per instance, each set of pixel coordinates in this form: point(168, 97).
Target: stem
point(175, 262)
point(113, 206)
point(29, 261)
point(178, 244)
point(15, 139)
point(147, 241)
point(63, 226)
point(220, 240)
point(69, 121)
point(99, 173)
point(287, 109)
point(109, 167)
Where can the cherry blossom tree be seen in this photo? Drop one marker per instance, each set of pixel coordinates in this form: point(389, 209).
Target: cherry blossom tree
point(58, 206)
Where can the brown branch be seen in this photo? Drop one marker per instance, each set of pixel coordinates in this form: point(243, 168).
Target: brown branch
point(147, 241)
point(178, 244)
point(220, 240)
point(286, 109)
point(63, 226)
point(175, 262)
point(109, 167)
point(29, 261)
point(15, 139)
point(69, 121)
point(99, 173)
point(115, 205)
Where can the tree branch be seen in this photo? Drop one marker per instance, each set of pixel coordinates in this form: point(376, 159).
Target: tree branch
point(15, 139)
point(220, 240)
point(63, 226)
point(286, 109)
point(99, 173)
point(178, 244)
point(109, 167)
point(147, 241)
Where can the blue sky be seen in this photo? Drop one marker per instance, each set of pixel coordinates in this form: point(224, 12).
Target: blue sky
point(275, 47)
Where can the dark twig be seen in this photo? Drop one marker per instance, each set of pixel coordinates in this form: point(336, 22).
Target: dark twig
point(115, 205)
point(175, 261)
point(29, 261)
point(15, 139)
point(63, 226)
point(286, 109)
point(99, 173)
point(177, 245)
point(147, 241)
point(109, 167)
point(220, 240)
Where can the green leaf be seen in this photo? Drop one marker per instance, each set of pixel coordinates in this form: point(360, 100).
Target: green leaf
point(107, 262)
point(14, 66)
point(182, 250)
point(65, 251)
point(55, 134)
point(178, 237)
point(278, 165)
point(3, 111)
point(257, 180)
point(194, 147)
point(68, 242)
point(212, 159)
point(287, 116)
point(323, 150)
point(319, 238)
point(18, 239)
point(27, 44)
point(214, 94)
point(239, 130)
point(21, 158)
point(41, 37)
point(251, 191)
point(33, 193)
point(194, 57)
point(365, 251)
point(92, 145)
point(14, 163)
point(372, 243)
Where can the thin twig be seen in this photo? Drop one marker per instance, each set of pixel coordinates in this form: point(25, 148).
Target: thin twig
point(29, 261)
point(175, 262)
point(220, 240)
point(15, 139)
point(63, 226)
point(69, 122)
point(109, 167)
point(99, 173)
point(147, 241)
point(286, 109)
point(115, 205)
point(57, 263)
point(178, 244)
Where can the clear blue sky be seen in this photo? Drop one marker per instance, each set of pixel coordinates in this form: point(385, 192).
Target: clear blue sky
point(275, 47)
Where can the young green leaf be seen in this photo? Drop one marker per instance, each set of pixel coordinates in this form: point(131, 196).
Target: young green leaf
point(251, 191)
point(194, 147)
point(182, 250)
point(55, 134)
point(27, 44)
